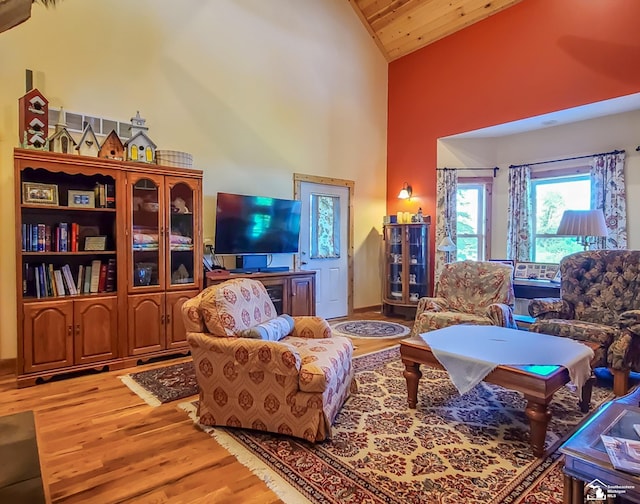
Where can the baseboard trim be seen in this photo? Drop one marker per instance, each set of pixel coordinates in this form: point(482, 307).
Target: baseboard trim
point(367, 308)
point(8, 366)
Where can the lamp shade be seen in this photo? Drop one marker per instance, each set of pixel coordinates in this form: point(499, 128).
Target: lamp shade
point(582, 223)
point(405, 192)
point(447, 245)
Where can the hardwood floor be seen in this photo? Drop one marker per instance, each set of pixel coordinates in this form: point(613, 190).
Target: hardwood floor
point(100, 443)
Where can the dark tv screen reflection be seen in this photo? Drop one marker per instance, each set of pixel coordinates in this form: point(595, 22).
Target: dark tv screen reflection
point(256, 225)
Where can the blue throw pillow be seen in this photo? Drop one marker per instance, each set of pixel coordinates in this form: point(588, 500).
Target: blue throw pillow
point(272, 330)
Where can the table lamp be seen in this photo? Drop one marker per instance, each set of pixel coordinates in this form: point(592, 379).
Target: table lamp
point(586, 225)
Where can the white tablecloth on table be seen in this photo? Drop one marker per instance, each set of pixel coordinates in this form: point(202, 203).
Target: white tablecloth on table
point(471, 352)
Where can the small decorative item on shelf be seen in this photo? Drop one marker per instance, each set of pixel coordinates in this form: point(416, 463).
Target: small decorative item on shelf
point(140, 147)
point(174, 158)
point(179, 206)
point(33, 120)
point(88, 144)
point(62, 141)
point(95, 243)
point(40, 194)
point(142, 276)
point(84, 199)
point(112, 147)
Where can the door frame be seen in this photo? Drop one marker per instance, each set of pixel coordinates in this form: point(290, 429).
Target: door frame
point(298, 178)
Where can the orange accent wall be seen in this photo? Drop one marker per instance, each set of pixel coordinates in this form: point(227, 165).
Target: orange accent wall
point(536, 57)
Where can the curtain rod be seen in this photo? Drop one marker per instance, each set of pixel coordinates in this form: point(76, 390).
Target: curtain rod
point(494, 168)
point(567, 159)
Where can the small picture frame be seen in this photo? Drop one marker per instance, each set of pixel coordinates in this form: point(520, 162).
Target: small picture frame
point(81, 199)
point(40, 194)
point(95, 243)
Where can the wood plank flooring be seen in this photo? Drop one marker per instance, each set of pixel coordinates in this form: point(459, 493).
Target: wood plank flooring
point(100, 443)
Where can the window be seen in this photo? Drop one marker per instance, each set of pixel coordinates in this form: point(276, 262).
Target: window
point(550, 197)
point(473, 203)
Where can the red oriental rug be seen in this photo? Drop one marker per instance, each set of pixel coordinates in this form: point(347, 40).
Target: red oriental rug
point(452, 449)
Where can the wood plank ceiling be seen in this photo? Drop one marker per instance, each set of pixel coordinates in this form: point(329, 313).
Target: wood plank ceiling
point(400, 27)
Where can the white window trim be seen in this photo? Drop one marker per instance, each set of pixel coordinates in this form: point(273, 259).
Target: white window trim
point(487, 183)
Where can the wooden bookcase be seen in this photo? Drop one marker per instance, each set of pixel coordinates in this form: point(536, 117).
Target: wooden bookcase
point(146, 261)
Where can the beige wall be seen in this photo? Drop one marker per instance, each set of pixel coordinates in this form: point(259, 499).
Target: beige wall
point(256, 90)
point(603, 134)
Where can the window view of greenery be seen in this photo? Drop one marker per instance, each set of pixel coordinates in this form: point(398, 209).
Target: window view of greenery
point(551, 197)
point(470, 224)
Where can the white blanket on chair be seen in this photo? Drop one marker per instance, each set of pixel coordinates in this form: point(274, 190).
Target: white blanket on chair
point(471, 352)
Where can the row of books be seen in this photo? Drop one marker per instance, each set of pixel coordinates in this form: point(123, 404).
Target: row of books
point(44, 280)
point(63, 237)
point(105, 195)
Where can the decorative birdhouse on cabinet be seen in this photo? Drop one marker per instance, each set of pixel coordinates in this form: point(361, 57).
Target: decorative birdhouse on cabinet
point(140, 147)
point(33, 120)
point(61, 140)
point(112, 147)
point(88, 144)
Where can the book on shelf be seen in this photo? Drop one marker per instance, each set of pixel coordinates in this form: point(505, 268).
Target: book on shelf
point(59, 283)
point(95, 276)
point(52, 280)
point(102, 279)
point(86, 289)
point(68, 279)
point(111, 275)
point(79, 279)
point(623, 453)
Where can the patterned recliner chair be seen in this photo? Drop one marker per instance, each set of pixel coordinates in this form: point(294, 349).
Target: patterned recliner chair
point(259, 371)
point(468, 292)
point(600, 303)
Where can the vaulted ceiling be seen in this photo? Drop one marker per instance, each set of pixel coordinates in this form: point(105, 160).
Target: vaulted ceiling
point(400, 27)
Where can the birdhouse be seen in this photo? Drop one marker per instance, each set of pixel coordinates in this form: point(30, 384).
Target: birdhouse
point(61, 140)
point(33, 120)
point(88, 144)
point(112, 147)
point(140, 147)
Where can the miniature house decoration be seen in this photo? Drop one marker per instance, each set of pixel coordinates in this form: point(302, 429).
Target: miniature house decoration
point(112, 147)
point(33, 120)
point(140, 147)
point(61, 140)
point(88, 144)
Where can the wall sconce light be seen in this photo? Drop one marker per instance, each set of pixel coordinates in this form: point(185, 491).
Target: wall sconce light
point(405, 192)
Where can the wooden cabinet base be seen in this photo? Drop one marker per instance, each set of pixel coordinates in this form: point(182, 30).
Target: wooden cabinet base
point(30, 379)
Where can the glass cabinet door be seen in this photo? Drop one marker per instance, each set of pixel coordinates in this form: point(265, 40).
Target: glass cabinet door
point(394, 252)
point(182, 233)
point(418, 281)
point(146, 232)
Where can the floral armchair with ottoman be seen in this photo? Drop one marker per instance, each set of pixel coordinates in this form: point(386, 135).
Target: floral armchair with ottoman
point(468, 292)
point(261, 371)
point(599, 303)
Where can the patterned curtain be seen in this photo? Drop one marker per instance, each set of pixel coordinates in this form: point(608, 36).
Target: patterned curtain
point(609, 194)
point(520, 224)
point(446, 215)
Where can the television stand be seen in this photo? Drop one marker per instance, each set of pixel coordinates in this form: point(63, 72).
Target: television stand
point(292, 292)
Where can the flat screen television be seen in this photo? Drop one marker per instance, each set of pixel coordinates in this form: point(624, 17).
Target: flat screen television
point(256, 225)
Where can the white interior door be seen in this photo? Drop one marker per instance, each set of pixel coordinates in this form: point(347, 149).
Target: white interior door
point(324, 245)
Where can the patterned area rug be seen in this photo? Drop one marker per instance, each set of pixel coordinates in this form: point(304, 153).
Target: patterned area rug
point(161, 385)
point(451, 449)
point(369, 329)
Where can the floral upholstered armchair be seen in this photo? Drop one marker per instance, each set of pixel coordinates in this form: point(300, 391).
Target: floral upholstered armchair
point(261, 371)
point(468, 292)
point(599, 303)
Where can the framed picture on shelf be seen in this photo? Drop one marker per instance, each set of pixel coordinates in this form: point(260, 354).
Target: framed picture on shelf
point(40, 194)
point(95, 243)
point(81, 199)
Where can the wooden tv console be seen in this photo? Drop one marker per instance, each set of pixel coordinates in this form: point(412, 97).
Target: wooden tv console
point(292, 292)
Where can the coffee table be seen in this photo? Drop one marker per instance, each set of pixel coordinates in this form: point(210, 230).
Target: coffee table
point(537, 383)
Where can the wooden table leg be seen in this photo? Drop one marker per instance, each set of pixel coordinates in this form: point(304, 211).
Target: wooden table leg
point(567, 490)
point(412, 374)
point(577, 492)
point(539, 416)
point(585, 396)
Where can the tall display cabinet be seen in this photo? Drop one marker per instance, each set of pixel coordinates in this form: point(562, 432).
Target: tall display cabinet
point(106, 253)
point(406, 266)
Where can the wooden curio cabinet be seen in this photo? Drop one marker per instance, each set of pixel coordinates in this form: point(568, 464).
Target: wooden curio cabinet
point(93, 236)
point(165, 258)
point(406, 265)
